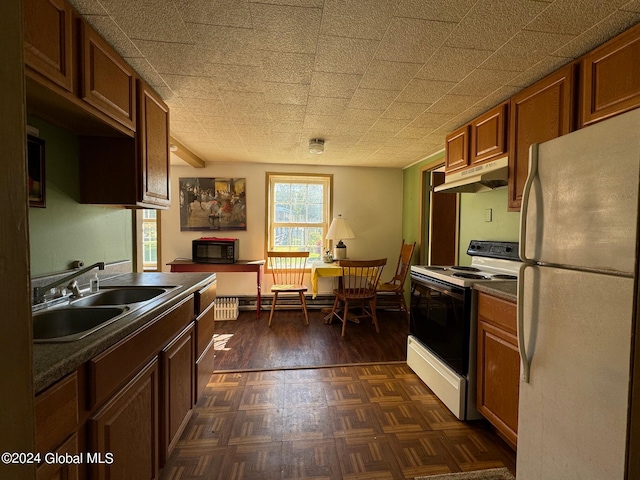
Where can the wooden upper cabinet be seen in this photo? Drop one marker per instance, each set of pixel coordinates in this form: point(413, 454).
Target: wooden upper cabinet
point(153, 144)
point(48, 45)
point(539, 113)
point(457, 149)
point(611, 78)
point(489, 135)
point(108, 83)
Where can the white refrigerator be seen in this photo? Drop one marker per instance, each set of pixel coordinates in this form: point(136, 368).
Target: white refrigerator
point(576, 293)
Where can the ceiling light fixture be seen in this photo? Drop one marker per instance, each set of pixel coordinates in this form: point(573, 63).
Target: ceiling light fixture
point(316, 146)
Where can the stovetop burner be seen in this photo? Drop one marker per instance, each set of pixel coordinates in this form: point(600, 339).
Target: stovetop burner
point(465, 269)
point(472, 276)
point(501, 276)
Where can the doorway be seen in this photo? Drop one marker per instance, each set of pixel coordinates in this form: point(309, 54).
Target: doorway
point(439, 221)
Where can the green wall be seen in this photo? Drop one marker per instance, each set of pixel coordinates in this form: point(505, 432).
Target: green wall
point(504, 225)
point(66, 230)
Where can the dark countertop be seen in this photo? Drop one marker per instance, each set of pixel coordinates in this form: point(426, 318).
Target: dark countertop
point(52, 361)
point(506, 290)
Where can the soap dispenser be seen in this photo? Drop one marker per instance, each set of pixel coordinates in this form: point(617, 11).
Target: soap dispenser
point(94, 284)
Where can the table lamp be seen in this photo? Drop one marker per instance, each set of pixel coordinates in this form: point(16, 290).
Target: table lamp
point(339, 230)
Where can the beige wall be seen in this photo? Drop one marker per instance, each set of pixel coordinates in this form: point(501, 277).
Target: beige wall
point(371, 198)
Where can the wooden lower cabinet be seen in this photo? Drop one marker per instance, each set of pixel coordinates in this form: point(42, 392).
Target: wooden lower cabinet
point(58, 470)
point(126, 428)
point(498, 366)
point(178, 379)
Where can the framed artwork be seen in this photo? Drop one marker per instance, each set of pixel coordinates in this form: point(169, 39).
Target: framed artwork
point(35, 165)
point(216, 204)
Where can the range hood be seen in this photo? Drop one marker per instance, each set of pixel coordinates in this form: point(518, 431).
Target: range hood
point(484, 177)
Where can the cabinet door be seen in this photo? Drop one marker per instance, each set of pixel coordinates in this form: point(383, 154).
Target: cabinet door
point(127, 427)
point(611, 78)
point(541, 112)
point(153, 145)
point(47, 40)
point(108, 83)
point(62, 471)
point(498, 365)
point(178, 360)
point(489, 135)
point(457, 149)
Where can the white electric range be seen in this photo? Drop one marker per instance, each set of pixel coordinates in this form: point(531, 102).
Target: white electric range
point(442, 333)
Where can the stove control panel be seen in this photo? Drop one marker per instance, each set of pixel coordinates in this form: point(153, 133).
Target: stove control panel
point(493, 249)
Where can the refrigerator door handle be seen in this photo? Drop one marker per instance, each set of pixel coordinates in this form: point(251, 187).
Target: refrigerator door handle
point(524, 360)
point(533, 171)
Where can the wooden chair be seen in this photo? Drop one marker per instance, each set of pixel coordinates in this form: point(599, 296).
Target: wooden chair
point(395, 286)
point(288, 270)
point(358, 286)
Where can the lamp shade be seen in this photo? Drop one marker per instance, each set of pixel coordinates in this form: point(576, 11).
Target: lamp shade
point(339, 229)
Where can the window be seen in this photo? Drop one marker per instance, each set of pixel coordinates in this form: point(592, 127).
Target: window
point(299, 208)
point(149, 239)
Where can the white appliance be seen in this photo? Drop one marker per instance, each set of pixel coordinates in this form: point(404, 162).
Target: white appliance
point(441, 348)
point(576, 298)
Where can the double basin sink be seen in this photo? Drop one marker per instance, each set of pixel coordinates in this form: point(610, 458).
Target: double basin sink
point(88, 314)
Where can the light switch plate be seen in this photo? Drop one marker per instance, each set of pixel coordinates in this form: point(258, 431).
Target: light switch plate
point(488, 214)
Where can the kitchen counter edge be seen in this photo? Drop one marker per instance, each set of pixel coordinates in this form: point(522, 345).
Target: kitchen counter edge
point(53, 361)
point(504, 290)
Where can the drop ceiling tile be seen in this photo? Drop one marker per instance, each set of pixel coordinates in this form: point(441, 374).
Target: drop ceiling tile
point(284, 28)
point(599, 33)
point(452, 64)
point(286, 113)
point(295, 3)
point(113, 35)
point(357, 19)
point(284, 126)
point(443, 10)
point(524, 50)
point(633, 6)
point(540, 70)
point(177, 58)
point(389, 126)
point(573, 16)
point(372, 99)
point(238, 77)
point(148, 20)
point(412, 40)
point(216, 12)
point(357, 116)
point(226, 45)
point(344, 55)
point(192, 87)
point(326, 106)
point(88, 7)
point(431, 120)
point(289, 93)
point(480, 83)
point(242, 102)
point(204, 107)
point(490, 24)
point(321, 123)
point(145, 70)
point(424, 91)
point(453, 104)
point(404, 110)
point(385, 75)
point(284, 67)
point(412, 133)
point(339, 85)
point(347, 129)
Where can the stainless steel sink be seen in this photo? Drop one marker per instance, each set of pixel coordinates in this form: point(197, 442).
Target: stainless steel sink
point(73, 323)
point(120, 296)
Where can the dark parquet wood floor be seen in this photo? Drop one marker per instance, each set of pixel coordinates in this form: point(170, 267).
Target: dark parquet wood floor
point(281, 419)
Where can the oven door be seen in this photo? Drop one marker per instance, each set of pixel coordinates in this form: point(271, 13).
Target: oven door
point(441, 320)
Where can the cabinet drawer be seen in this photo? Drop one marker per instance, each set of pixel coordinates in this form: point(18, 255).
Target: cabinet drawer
point(205, 297)
point(204, 330)
point(497, 312)
point(113, 367)
point(61, 471)
point(56, 413)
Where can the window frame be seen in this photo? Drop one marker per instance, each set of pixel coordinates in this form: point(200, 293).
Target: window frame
point(273, 178)
point(139, 229)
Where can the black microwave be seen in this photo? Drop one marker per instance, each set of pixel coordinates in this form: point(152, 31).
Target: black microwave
point(215, 250)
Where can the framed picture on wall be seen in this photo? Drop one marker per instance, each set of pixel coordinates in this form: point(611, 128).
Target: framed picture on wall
point(213, 204)
point(35, 164)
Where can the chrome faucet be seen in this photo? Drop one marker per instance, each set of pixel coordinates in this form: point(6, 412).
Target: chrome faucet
point(39, 292)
